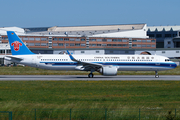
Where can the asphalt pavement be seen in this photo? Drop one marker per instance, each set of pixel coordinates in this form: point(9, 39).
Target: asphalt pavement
point(84, 77)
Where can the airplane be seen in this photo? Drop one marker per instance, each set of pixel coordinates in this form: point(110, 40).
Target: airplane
point(107, 65)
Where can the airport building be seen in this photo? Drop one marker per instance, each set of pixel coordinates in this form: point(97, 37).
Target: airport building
point(166, 36)
point(105, 39)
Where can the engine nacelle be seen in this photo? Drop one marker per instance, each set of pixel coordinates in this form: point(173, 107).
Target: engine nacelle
point(108, 71)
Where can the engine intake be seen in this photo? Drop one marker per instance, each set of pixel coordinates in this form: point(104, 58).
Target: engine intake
point(108, 71)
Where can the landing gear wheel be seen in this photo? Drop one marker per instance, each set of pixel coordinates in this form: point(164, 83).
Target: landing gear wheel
point(156, 74)
point(90, 75)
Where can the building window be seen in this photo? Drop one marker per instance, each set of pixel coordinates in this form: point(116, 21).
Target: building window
point(92, 39)
point(152, 45)
point(25, 39)
point(71, 44)
point(177, 51)
point(77, 39)
point(71, 39)
point(8, 51)
point(5, 38)
point(124, 45)
point(30, 44)
point(60, 39)
point(153, 41)
point(104, 40)
point(108, 44)
point(151, 35)
point(38, 39)
point(2, 51)
point(143, 40)
point(159, 35)
point(60, 44)
point(50, 44)
point(143, 45)
point(148, 40)
point(138, 40)
point(119, 45)
point(167, 35)
point(55, 39)
point(66, 39)
point(31, 38)
point(97, 51)
point(93, 44)
point(119, 40)
point(83, 40)
point(99, 40)
point(43, 44)
point(98, 44)
point(37, 44)
point(82, 51)
point(138, 45)
point(163, 52)
point(109, 40)
point(103, 44)
point(134, 40)
point(134, 45)
point(55, 44)
point(83, 44)
point(77, 44)
point(148, 45)
point(43, 39)
point(124, 40)
point(114, 40)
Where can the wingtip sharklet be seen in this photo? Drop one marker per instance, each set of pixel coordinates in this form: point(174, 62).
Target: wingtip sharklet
point(71, 57)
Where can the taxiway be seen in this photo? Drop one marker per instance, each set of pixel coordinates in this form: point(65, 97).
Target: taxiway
point(84, 77)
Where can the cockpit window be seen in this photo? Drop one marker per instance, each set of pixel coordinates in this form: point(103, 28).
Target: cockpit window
point(166, 60)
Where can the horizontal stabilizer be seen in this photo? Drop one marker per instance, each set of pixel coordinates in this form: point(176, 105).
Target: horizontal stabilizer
point(10, 58)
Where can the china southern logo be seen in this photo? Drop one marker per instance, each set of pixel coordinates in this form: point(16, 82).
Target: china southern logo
point(16, 45)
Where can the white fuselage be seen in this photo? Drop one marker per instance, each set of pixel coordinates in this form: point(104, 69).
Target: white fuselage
point(122, 62)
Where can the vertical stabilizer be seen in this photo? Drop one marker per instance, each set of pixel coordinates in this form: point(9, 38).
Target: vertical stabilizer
point(16, 44)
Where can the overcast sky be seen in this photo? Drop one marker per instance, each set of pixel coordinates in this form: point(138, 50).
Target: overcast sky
point(48, 13)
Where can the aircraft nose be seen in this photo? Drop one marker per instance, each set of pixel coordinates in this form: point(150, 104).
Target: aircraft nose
point(175, 65)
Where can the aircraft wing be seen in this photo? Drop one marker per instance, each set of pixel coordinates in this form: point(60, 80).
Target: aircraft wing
point(86, 65)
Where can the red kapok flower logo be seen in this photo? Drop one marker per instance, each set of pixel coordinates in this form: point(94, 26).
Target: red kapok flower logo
point(16, 45)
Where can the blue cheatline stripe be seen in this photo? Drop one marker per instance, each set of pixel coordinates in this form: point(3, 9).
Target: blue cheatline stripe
point(168, 65)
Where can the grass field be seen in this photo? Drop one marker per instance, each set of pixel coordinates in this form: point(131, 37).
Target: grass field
point(87, 95)
point(88, 99)
point(19, 70)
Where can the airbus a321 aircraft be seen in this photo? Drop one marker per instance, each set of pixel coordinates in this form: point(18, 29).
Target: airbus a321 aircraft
point(105, 64)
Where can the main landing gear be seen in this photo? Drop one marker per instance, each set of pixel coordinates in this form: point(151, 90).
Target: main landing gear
point(156, 74)
point(91, 75)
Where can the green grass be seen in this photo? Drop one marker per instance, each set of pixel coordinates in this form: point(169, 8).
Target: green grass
point(19, 70)
point(94, 99)
point(87, 98)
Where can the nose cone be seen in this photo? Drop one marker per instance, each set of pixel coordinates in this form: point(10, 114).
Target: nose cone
point(174, 65)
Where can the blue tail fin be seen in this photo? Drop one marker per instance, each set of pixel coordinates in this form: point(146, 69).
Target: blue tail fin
point(16, 44)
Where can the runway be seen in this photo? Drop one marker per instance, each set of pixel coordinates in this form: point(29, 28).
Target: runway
point(84, 77)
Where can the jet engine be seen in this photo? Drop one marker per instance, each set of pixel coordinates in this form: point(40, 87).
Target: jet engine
point(108, 70)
